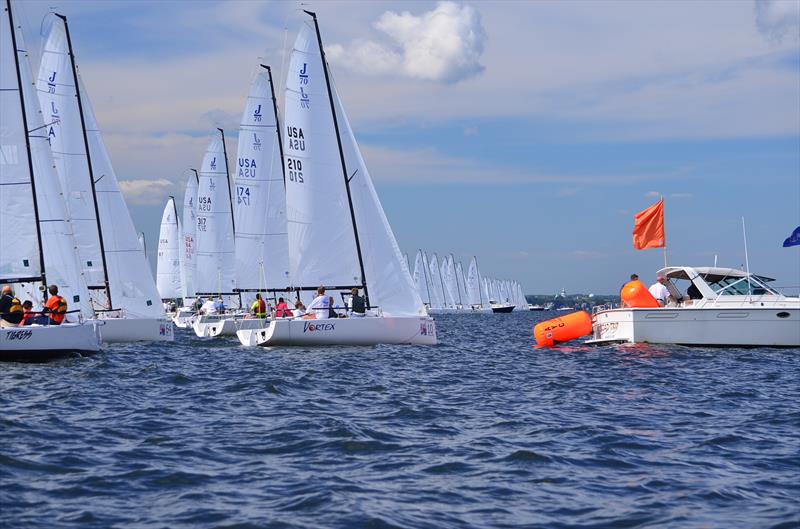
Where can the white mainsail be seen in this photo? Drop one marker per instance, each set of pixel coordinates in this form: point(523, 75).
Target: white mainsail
point(262, 246)
point(188, 245)
point(214, 272)
point(420, 276)
point(461, 283)
point(435, 299)
point(57, 241)
point(317, 194)
point(449, 280)
point(475, 296)
point(58, 99)
point(436, 282)
point(168, 270)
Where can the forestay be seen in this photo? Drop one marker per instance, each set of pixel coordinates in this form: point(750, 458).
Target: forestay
point(262, 251)
point(214, 272)
point(168, 272)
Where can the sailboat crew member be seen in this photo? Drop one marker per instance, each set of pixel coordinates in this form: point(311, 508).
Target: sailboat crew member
point(259, 307)
point(321, 304)
point(56, 307)
point(10, 308)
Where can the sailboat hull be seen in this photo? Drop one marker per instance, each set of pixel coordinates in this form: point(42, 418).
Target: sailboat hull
point(344, 331)
point(230, 326)
point(37, 343)
point(116, 330)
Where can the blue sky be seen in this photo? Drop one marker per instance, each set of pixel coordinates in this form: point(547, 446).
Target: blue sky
point(526, 133)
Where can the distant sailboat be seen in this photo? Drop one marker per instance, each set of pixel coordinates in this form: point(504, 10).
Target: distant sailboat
point(168, 270)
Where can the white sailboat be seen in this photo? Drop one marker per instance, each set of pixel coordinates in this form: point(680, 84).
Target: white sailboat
point(123, 291)
point(215, 272)
point(38, 251)
point(420, 277)
point(439, 291)
point(262, 244)
point(168, 270)
point(476, 298)
point(338, 233)
point(461, 285)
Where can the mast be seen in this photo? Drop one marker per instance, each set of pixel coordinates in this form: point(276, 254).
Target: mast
point(144, 243)
point(88, 161)
point(227, 177)
point(43, 277)
point(277, 123)
point(341, 157)
point(424, 266)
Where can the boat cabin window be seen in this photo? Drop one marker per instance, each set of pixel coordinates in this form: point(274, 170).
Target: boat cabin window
point(739, 286)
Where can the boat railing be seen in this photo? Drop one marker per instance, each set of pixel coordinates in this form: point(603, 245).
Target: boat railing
point(602, 308)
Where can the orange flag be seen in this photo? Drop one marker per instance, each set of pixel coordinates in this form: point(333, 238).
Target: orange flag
point(648, 227)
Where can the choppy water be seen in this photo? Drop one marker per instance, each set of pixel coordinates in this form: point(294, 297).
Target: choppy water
point(480, 431)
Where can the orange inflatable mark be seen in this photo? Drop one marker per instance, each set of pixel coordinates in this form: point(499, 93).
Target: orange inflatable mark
point(635, 295)
point(563, 329)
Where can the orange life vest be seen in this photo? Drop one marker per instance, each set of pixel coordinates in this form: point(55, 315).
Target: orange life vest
point(58, 308)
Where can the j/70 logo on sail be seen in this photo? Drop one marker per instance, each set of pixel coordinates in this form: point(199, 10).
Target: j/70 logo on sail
point(315, 327)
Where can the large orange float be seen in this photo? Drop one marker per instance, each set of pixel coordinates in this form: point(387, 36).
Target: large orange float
point(563, 329)
point(636, 296)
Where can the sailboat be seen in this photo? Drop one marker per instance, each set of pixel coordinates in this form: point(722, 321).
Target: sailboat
point(122, 288)
point(38, 251)
point(259, 208)
point(476, 297)
point(168, 271)
point(338, 233)
point(439, 290)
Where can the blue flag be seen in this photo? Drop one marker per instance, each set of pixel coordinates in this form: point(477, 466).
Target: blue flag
point(793, 239)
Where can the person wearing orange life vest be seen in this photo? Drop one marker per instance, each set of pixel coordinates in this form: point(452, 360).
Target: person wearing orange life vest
point(259, 307)
point(10, 308)
point(55, 307)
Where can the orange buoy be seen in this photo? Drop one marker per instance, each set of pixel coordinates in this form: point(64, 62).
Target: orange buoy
point(635, 295)
point(563, 329)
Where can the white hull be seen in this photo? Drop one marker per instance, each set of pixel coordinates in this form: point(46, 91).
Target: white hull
point(229, 326)
point(465, 310)
point(344, 331)
point(184, 318)
point(38, 342)
point(204, 325)
point(747, 326)
point(114, 330)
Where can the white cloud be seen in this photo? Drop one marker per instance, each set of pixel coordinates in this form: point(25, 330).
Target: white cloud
point(146, 192)
point(652, 194)
point(443, 45)
point(778, 18)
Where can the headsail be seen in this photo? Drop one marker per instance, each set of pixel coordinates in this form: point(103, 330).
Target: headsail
point(189, 244)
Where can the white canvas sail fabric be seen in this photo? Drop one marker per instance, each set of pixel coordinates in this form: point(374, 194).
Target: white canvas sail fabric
point(215, 271)
point(58, 99)
point(321, 235)
point(262, 244)
point(130, 278)
point(188, 235)
point(435, 299)
point(462, 285)
point(58, 243)
point(437, 290)
point(475, 296)
point(19, 247)
point(449, 279)
point(168, 270)
point(420, 276)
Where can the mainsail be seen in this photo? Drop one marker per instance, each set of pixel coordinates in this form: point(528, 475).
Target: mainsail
point(188, 246)
point(262, 252)
point(168, 271)
point(214, 272)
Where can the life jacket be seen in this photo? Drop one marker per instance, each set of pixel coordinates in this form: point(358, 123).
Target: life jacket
point(14, 311)
point(16, 306)
point(58, 308)
point(259, 307)
point(282, 311)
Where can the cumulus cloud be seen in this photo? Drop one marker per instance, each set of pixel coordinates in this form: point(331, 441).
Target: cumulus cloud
point(778, 18)
point(146, 192)
point(443, 45)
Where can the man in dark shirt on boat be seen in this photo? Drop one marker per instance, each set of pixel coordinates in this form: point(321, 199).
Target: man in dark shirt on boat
point(10, 308)
point(357, 307)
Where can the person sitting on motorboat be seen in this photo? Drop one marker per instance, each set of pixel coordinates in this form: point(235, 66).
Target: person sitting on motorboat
point(358, 308)
point(10, 308)
point(282, 309)
point(321, 305)
point(259, 307)
point(659, 291)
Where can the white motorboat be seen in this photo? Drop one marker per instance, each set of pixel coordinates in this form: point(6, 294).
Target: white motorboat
point(731, 307)
point(37, 245)
point(326, 175)
point(532, 307)
point(501, 307)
